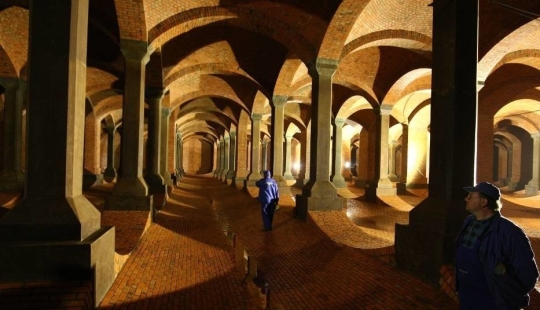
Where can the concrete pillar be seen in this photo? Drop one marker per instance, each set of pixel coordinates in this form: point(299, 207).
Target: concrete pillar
point(301, 177)
point(278, 133)
point(402, 184)
point(288, 154)
point(392, 162)
point(219, 158)
point(153, 176)
point(54, 234)
point(225, 157)
point(385, 187)
point(319, 194)
point(255, 173)
point(532, 187)
point(110, 170)
point(232, 156)
point(337, 177)
point(427, 242)
point(180, 159)
point(164, 151)
point(12, 176)
point(131, 190)
point(264, 146)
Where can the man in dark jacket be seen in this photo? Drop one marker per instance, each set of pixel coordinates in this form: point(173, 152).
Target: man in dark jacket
point(495, 266)
point(268, 197)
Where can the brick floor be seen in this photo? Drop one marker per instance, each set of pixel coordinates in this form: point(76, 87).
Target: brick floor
point(185, 260)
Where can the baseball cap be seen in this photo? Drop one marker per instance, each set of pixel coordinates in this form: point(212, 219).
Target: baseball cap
point(485, 188)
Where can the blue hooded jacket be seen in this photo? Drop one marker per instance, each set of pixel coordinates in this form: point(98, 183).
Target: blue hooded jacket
point(508, 260)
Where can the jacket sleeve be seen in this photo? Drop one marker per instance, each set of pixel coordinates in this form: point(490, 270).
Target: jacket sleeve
point(521, 258)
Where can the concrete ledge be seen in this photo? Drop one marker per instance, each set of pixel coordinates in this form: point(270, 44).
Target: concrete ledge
point(91, 259)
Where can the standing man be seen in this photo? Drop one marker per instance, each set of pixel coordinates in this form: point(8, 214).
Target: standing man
point(495, 267)
point(268, 197)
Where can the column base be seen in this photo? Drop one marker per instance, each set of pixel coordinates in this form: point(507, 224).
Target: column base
point(11, 181)
point(421, 252)
point(339, 182)
point(91, 259)
point(129, 203)
point(386, 191)
point(305, 204)
point(427, 242)
point(288, 176)
point(531, 190)
point(401, 188)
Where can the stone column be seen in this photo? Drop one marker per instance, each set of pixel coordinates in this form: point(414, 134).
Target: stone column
point(301, 177)
point(180, 156)
point(385, 187)
point(337, 177)
point(255, 173)
point(131, 190)
point(278, 133)
point(153, 176)
point(402, 185)
point(319, 194)
point(264, 155)
point(288, 154)
point(219, 158)
point(54, 234)
point(12, 176)
point(225, 157)
point(427, 242)
point(164, 151)
point(232, 156)
point(532, 187)
point(392, 162)
point(110, 170)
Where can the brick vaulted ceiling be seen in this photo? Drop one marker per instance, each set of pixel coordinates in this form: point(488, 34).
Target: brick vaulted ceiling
point(218, 58)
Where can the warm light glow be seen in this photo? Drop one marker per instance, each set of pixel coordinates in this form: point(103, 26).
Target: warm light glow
point(296, 166)
point(347, 164)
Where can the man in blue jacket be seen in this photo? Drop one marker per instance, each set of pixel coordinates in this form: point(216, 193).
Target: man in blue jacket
point(268, 197)
point(495, 266)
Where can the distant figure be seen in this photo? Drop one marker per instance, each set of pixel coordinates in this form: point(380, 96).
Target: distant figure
point(268, 197)
point(495, 267)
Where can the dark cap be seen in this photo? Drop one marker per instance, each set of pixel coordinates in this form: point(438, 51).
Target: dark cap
point(487, 189)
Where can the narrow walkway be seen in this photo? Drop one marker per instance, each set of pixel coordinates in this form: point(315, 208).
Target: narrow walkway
point(185, 260)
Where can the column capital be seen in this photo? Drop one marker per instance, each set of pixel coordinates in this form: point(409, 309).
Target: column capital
point(279, 101)
point(323, 67)
point(9, 83)
point(339, 121)
point(135, 50)
point(232, 134)
point(385, 109)
point(256, 117)
point(153, 93)
point(535, 135)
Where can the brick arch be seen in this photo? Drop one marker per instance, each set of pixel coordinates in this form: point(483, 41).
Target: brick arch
point(521, 43)
point(530, 57)
point(236, 17)
point(412, 81)
point(492, 98)
point(131, 19)
point(287, 76)
point(7, 69)
point(14, 37)
point(107, 105)
point(528, 123)
point(187, 97)
point(340, 27)
point(392, 37)
point(208, 68)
